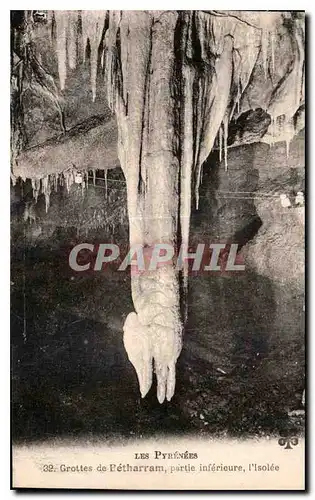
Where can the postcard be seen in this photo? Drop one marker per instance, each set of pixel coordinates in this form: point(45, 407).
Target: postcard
point(157, 250)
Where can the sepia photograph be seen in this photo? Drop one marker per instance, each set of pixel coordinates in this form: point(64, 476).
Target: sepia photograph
point(157, 284)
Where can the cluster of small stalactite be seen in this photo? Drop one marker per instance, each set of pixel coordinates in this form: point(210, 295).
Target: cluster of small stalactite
point(66, 179)
point(106, 209)
point(259, 43)
point(106, 212)
point(259, 33)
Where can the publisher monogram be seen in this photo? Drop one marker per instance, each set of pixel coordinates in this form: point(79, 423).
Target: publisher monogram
point(287, 442)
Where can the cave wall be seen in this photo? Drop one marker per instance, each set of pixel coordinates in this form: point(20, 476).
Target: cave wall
point(261, 310)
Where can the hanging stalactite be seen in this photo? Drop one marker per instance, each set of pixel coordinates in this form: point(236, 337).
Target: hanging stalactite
point(106, 186)
point(46, 189)
point(61, 45)
point(36, 186)
point(167, 128)
point(72, 38)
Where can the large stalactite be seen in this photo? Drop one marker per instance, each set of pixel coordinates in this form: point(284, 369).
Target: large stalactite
point(175, 80)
